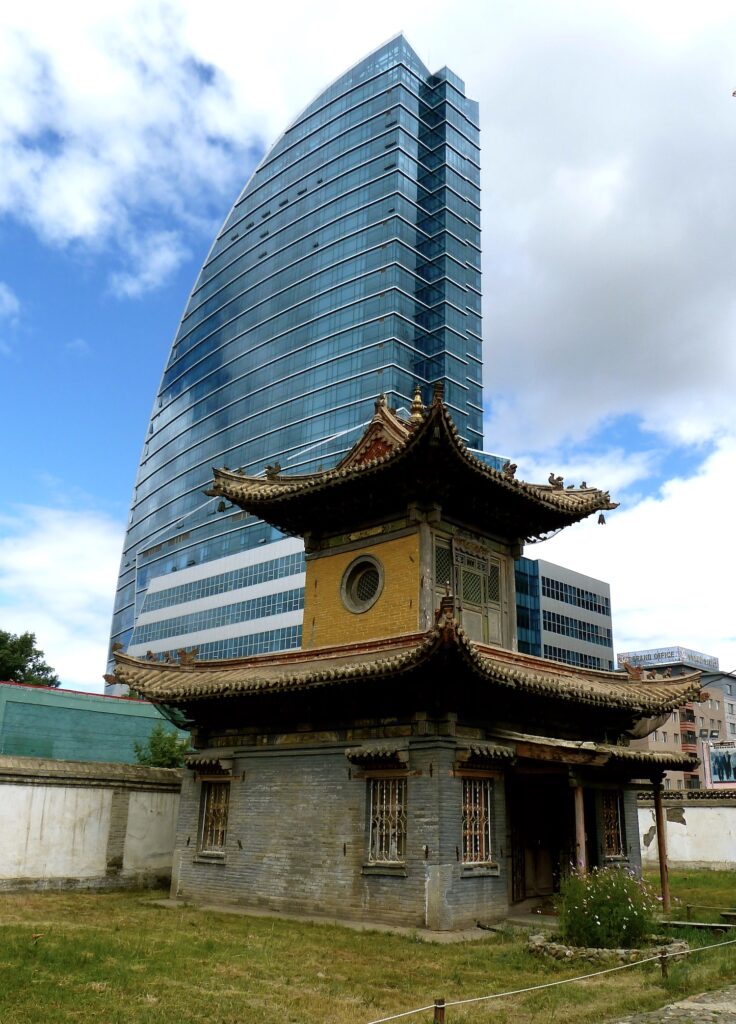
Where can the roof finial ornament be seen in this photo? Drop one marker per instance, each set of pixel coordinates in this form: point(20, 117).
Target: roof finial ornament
point(438, 393)
point(380, 402)
point(273, 471)
point(417, 406)
point(509, 469)
point(556, 482)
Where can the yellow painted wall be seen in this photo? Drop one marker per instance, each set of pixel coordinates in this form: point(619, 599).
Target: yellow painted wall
point(326, 619)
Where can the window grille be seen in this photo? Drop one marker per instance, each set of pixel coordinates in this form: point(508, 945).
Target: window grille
point(613, 837)
point(443, 566)
point(387, 843)
point(215, 802)
point(494, 583)
point(472, 586)
point(476, 821)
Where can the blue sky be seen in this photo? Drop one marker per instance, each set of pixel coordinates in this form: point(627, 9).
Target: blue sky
point(608, 132)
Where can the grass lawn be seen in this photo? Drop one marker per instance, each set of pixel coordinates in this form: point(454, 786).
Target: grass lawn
point(119, 959)
point(707, 892)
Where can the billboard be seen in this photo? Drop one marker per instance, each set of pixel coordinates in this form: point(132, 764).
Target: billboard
point(670, 656)
point(719, 762)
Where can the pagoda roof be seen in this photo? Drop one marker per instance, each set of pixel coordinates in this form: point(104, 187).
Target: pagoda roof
point(396, 464)
point(445, 648)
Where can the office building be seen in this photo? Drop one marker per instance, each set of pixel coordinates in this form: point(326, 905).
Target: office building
point(563, 615)
point(348, 267)
point(694, 726)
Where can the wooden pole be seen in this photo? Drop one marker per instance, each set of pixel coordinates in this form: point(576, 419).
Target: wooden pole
point(581, 859)
point(661, 823)
point(439, 1011)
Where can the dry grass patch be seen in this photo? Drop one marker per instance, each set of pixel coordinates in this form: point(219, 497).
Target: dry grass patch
point(120, 959)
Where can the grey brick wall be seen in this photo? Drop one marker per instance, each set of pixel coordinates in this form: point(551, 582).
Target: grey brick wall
point(297, 841)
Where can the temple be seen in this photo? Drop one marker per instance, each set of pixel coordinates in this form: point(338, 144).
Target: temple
point(408, 765)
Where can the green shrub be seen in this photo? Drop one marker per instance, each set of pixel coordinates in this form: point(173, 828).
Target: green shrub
point(608, 908)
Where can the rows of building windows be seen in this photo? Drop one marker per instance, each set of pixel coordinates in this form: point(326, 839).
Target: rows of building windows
point(389, 97)
point(576, 658)
point(590, 632)
point(221, 536)
point(225, 615)
point(285, 638)
point(236, 579)
point(399, 198)
point(324, 385)
point(372, 349)
point(288, 257)
point(152, 493)
point(290, 236)
point(570, 594)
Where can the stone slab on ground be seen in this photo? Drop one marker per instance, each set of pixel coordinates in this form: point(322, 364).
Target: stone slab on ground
point(707, 1008)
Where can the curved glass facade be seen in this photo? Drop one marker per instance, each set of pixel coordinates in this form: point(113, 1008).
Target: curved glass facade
point(348, 267)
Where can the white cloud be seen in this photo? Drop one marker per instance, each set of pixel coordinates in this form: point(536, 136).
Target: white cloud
point(613, 470)
point(670, 560)
point(151, 261)
point(56, 572)
point(9, 310)
point(9, 303)
point(608, 189)
point(78, 346)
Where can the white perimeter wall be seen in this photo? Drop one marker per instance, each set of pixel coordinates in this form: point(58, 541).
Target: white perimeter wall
point(698, 836)
point(90, 824)
point(52, 831)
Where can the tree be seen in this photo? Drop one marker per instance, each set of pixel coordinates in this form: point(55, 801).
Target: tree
point(22, 662)
point(162, 749)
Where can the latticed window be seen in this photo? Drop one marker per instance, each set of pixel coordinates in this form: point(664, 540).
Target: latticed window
point(613, 819)
point(477, 820)
point(387, 842)
point(443, 567)
point(213, 831)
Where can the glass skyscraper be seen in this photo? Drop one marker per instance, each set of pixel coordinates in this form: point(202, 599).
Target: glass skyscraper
point(348, 267)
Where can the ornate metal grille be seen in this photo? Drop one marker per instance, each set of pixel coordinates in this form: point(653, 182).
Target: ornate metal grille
point(613, 837)
point(367, 584)
point(215, 801)
point(477, 820)
point(388, 820)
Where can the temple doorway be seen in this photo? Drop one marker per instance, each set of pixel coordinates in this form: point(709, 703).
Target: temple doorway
point(542, 817)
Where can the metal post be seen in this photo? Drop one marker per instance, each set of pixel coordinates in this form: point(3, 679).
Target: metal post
point(439, 1011)
point(688, 912)
point(581, 857)
point(663, 964)
point(662, 845)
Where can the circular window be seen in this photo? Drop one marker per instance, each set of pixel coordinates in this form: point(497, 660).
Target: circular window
point(362, 584)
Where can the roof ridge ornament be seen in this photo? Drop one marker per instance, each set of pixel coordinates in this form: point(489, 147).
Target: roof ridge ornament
point(187, 659)
point(417, 406)
point(445, 620)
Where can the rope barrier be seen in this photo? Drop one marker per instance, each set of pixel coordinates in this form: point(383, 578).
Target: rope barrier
point(553, 984)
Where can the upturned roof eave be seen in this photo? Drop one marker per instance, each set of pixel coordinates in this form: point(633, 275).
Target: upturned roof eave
point(270, 675)
point(288, 501)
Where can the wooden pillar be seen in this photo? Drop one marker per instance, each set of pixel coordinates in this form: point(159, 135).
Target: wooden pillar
point(581, 860)
point(661, 844)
